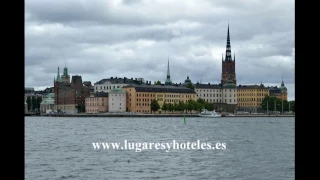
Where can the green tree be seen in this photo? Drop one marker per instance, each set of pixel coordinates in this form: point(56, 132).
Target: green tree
point(201, 101)
point(154, 105)
point(34, 103)
point(170, 107)
point(158, 82)
point(165, 107)
point(182, 106)
point(198, 106)
point(175, 106)
point(29, 103)
point(190, 105)
point(39, 100)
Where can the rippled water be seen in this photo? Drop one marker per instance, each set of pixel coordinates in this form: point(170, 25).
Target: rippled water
point(256, 148)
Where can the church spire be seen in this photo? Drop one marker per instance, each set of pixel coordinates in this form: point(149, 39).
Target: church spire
point(168, 80)
point(58, 75)
point(228, 47)
point(168, 70)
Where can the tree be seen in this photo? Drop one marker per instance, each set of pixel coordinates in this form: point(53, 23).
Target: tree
point(154, 105)
point(198, 106)
point(175, 106)
point(34, 103)
point(165, 107)
point(29, 103)
point(158, 82)
point(170, 107)
point(39, 100)
point(182, 106)
point(190, 105)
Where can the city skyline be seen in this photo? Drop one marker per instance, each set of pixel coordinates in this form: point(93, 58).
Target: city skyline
point(108, 42)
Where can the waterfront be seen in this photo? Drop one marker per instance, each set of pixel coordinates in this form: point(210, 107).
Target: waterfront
point(61, 147)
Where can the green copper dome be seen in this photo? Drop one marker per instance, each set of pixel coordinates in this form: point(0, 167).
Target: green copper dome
point(229, 85)
point(187, 80)
point(282, 87)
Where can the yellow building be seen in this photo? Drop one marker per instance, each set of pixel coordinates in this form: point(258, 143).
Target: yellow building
point(139, 97)
point(250, 97)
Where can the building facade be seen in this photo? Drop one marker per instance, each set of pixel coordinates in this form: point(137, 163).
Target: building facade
point(47, 104)
point(106, 85)
point(139, 97)
point(279, 92)
point(69, 96)
point(251, 96)
point(117, 100)
point(97, 103)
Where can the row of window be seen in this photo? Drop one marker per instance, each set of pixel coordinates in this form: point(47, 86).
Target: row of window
point(252, 94)
point(211, 95)
point(142, 104)
point(209, 90)
point(108, 87)
point(94, 104)
point(145, 95)
point(253, 90)
point(143, 110)
point(249, 99)
point(248, 104)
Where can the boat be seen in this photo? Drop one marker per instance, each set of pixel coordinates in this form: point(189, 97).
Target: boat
point(210, 114)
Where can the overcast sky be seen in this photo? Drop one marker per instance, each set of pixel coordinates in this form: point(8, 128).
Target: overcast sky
point(99, 39)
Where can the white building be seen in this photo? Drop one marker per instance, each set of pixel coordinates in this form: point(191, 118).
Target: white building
point(214, 93)
point(47, 104)
point(105, 85)
point(211, 93)
point(117, 100)
point(229, 93)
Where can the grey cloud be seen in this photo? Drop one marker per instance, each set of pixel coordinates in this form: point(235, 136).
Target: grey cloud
point(100, 39)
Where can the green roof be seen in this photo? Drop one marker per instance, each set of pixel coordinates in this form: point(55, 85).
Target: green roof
point(51, 95)
point(229, 85)
point(117, 90)
point(48, 100)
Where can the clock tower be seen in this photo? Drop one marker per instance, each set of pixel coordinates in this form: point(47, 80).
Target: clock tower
point(228, 64)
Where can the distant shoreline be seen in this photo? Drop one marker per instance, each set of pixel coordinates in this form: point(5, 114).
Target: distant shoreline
point(155, 115)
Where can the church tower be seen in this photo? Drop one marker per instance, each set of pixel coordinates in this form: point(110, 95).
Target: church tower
point(228, 64)
point(65, 77)
point(168, 80)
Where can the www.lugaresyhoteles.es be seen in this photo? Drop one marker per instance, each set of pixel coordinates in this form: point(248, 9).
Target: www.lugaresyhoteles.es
point(167, 146)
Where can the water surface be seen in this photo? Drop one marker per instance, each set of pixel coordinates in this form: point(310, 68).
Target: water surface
point(256, 148)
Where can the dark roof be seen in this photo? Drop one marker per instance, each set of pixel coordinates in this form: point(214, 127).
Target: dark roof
point(160, 88)
point(208, 86)
point(117, 80)
point(252, 87)
point(87, 83)
point(100, 94)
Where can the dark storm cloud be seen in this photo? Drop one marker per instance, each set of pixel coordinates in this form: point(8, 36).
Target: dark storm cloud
point(99, 39)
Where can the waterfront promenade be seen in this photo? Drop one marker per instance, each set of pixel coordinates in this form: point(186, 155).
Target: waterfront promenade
point(156, 115)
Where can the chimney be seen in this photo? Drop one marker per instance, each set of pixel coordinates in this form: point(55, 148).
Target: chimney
point(111, 77)
point(131, 78)
point(135, 78)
